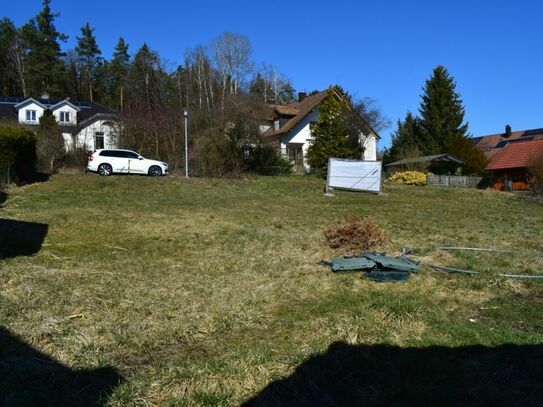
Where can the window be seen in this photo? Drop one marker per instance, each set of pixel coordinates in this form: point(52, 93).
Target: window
point(64, 117)
point(127, 154)
point(295, 154)
point(276, 124)
point(99, 141)
point(131, 155)
point(30, 115)
point(118, 153)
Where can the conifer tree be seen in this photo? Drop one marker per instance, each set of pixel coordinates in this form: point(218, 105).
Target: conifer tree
point(442, 113)
point(333, 135)
point(406, 139)
point(144, 76)
point(119, 71)
point(43, 54)
point(88, 51)
point(11, 78)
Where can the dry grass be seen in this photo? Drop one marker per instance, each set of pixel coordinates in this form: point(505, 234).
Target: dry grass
point(201, 292)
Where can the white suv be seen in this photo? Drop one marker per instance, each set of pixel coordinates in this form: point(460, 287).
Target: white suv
point(114, 161)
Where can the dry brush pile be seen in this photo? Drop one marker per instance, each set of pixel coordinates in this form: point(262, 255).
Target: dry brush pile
point(354, 235)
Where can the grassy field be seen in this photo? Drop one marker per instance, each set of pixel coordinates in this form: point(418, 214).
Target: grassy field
point(168, 291)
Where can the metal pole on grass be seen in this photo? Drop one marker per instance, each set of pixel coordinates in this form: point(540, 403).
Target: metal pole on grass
point(186, 114)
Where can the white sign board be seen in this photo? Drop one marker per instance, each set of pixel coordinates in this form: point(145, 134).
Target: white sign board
point(354, 175)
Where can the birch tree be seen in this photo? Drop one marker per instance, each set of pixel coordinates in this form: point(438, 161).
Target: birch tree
point(272, 86)
point(231, 55)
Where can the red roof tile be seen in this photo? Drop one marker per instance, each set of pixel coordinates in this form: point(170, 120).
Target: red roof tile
point(489, 143)
point(517, 155)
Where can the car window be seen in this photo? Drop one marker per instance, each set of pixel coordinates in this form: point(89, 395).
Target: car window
point(119, 154)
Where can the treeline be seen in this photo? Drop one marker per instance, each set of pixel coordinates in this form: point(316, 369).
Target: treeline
point(439, 129)
point(32, 62)
point(223, 89)
point(218, 83)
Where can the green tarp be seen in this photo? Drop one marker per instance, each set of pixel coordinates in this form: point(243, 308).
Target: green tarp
point(351, 264)
point(379, 266)
point(395, 263)
point(387, 275)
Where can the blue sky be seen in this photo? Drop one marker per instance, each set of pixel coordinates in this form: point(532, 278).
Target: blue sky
point(381, 49)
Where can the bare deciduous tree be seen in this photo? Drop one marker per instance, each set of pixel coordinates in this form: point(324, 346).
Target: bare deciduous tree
point(199, 66)
point(272, 86)
point(231, 53)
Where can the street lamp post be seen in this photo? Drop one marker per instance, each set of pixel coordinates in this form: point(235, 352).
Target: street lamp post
point(186, 114)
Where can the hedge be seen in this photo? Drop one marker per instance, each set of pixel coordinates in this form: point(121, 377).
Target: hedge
point(17, 153)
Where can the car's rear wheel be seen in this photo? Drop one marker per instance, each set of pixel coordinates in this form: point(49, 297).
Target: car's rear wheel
point(105, 170)
point(155, 171)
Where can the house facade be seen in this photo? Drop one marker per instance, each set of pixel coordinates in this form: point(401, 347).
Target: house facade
point(288, 128)
point(510, 155)
point(511, 166)
point(84, 125)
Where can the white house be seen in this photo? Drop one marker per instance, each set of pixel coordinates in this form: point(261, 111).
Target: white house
point(288, 128)
point(84, 125)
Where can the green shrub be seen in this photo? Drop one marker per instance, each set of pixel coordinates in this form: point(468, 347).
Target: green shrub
point(266, 160)
point(50, 144)
point(74, 158)
point(408, 178)
point(18, 152)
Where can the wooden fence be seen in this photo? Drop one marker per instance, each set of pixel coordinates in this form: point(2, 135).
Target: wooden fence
point(457, 181)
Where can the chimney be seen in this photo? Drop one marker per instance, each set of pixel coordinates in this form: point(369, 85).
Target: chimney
point(507, 131)
point(301, 96)
point(45, 95)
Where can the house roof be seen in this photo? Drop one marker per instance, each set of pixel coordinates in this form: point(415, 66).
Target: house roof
point(287, 110)
point(65, 102)
point(492, 144)
point(517, 155)
point(298, 110)
point(441, 158)
point(86, 111)
point(28, 101)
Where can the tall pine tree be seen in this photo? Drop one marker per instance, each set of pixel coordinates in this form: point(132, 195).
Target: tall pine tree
point(119, 72)
point(442, 113)
point(43, 54)
point(88, 51)
point(143, 77)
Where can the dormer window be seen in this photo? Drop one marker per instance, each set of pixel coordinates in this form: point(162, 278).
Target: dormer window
point(30, 115)
point(65, 117)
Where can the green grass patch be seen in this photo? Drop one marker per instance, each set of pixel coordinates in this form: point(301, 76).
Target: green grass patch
point(202, 292)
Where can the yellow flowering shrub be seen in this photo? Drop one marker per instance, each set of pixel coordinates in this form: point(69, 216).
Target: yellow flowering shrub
point(408, 178)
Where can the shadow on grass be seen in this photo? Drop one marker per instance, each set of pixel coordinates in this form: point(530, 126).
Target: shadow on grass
point(18, 238)
point(3, 197)
point(382, 375)
point(29, 377)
